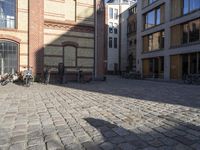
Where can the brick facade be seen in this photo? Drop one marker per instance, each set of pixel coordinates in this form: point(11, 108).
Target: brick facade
point(44, 25)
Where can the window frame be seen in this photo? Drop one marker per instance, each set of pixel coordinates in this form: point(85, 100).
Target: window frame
point(110, 42)
point(155, 14)
point(150, 39)
point(115, 45)
point(187, 24)
point(14, 43)
point(189, 10)
point(15, 19)
point(110, 14)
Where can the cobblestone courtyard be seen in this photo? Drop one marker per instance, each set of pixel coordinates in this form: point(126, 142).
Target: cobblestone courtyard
point(117, 114)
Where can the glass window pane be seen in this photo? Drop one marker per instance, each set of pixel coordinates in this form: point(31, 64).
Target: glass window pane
point(194, 4)
point(185, 33)
point(150, 19)
point(185, 6)
point(110, 27)
point(7, 13)
point(194, 31)
point(110, 42)
point(8, 57)
point(158, 16)
point(116, 14)
point(115, 42)
point(111, 13)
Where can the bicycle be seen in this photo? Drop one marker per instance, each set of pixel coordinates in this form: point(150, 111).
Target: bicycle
point(27, 77)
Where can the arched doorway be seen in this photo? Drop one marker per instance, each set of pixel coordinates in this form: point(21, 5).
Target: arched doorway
point(8, 57)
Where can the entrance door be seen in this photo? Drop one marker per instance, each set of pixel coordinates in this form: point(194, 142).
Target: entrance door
point(8, 57)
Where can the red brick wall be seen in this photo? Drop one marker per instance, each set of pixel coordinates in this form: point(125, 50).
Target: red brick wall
point(36, 22)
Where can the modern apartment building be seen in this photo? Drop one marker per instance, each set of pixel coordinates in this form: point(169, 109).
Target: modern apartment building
point(116, 21)
point(168, 38)
point(44, 33)
point(132, 38)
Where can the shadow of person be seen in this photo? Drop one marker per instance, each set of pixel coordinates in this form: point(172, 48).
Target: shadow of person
point(166, 136)
point(116, 137)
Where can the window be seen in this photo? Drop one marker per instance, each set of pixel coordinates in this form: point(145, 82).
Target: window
point(115, 13)
point(7, 13)
point(111, 13)
point(70, 56)
point(154, 17)
point(154, 41)
point(158, 16)
point(150, 19)
point(153, 67)
point(190, 5)
point(110, 42)
point(115, 29)
point(130, 43)
point(191, 31)
point(132, 11)
point(151, 1)
point(148, 2)
point(8, 57)
point(115, 42)
point(110, 27)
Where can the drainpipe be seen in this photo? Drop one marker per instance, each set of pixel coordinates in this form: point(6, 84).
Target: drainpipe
point(28, 59)
point(95, 42)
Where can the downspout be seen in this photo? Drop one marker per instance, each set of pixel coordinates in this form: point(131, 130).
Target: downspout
point(120, 38)
point(95, 42)
point(28, 59)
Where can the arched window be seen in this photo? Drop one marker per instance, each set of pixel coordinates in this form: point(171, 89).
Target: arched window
point(7, 13)
point(8, 57)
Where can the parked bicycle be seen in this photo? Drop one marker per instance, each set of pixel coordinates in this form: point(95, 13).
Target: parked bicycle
point(192, 79)
point(6, 78)
point(27, 76)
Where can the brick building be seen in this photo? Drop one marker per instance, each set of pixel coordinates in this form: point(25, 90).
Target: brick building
point(44, 33)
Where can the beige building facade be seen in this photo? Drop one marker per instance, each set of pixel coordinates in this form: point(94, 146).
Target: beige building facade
point(44, 33)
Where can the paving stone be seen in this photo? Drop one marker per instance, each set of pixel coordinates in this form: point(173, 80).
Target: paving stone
point(185, 140)
point(116, 140)
point(127, 146)
point(122, 113)
point(196, 146)
point(17, 146)
point(37, 147)
point(74, 146)
point(90, 146)
point(54, 145)
point(121, 131)
point(107, 146)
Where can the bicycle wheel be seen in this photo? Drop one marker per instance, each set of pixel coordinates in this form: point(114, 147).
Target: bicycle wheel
point(4, 82)
point(28, 82)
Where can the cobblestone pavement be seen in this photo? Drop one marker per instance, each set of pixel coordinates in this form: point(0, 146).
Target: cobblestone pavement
point(117, 114)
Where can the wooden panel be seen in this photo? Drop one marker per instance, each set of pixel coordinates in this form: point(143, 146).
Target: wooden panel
point(176, 8)
point(162, 13)
point(145, 67)
point(176, 67)
point(176, 35)
point(145, 44)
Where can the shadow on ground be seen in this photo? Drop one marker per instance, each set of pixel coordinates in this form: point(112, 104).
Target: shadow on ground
point(173, 135)
point(161, 92)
